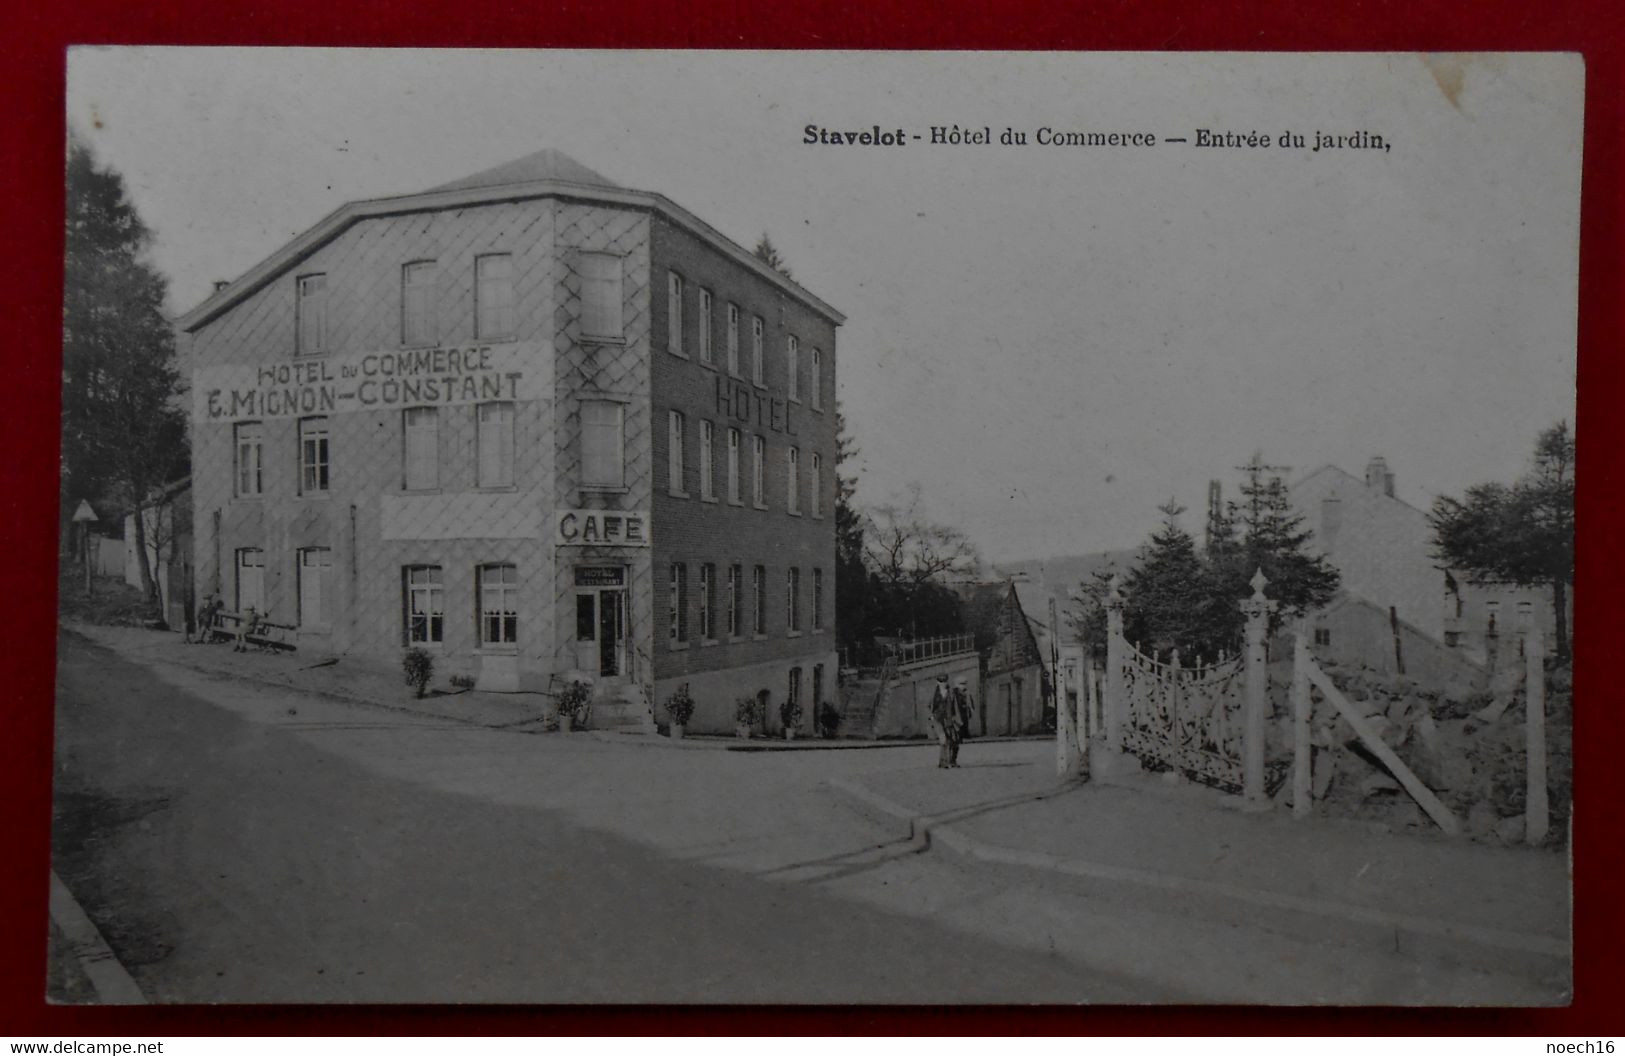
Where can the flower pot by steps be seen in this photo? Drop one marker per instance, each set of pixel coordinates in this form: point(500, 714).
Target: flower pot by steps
point(742, 732)
point(676, 731)
point(566, 723)
point(789, 733)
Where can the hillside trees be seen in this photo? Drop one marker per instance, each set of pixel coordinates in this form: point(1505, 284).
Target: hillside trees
point(122, 433)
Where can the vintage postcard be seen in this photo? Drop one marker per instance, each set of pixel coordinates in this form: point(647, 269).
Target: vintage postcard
point(547, 527)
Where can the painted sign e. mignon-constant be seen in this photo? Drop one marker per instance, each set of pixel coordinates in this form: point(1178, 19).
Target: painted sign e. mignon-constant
point(371, 381)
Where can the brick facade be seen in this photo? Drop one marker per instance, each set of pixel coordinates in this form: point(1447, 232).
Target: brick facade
point(697, 531)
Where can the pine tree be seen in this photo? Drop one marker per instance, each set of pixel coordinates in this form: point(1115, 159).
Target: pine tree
point(768, 254)
point(122, 435)
point(852, 587)
point(1274, 540)
point(1523, 534)
point(1167, 589)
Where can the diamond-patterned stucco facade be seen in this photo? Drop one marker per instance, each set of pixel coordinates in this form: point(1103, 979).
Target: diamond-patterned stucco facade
point(370, 524)
point(584, 370)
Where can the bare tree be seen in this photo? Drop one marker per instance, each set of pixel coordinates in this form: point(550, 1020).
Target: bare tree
point(906, 550)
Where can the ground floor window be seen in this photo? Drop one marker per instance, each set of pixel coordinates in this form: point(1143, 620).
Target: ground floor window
point(735, 599)
point(251, 579)
point(677, 603)
point(315, 588)
point(425, 605)
point(1323, 636)
point(499, 605)
point(758, 584)
point(708, 589)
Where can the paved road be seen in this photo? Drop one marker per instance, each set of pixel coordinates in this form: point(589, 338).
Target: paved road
point(239, 845)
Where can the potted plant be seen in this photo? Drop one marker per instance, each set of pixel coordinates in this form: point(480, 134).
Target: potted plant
point(680, 706)
point(829, 720)
point(790, 715)
point(747, 712)
point(572, 698)
point(418, 665)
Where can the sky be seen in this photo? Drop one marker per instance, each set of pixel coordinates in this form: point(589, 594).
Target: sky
point(1049, 340)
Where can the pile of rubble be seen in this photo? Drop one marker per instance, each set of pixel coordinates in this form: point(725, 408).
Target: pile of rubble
point(1465, 744)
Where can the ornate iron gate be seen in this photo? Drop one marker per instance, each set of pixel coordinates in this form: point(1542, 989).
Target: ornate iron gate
point(1186, 719)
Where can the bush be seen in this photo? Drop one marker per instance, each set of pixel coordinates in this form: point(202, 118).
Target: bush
point(462, 681)
point(572, 700)
point(790, 714)
point(748, 711)
point(680, 706)
point(829, 720)
point(418, 664)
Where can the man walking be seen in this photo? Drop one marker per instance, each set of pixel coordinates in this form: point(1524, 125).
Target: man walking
point(960, 719)
point(945, 716)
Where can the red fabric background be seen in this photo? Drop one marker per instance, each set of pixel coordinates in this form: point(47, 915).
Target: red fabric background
point(32, 42)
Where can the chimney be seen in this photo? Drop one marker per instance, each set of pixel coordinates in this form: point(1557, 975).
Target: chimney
point(1378, 476)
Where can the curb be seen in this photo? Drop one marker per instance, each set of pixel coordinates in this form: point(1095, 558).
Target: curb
point(107, 976)
point(933, 830)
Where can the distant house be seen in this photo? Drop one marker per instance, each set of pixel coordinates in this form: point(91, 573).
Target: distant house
point(1393, 586)
point(1014, 693)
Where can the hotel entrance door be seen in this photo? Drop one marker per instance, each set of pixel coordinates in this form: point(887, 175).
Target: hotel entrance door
point(601, 621)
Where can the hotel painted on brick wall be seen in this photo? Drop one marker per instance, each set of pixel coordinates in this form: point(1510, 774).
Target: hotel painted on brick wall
point(537, 424)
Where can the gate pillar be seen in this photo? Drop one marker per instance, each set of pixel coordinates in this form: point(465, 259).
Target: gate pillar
point(1112, 704)
point(1257, 609)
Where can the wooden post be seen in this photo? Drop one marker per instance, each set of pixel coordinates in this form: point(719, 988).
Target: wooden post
point(1374, 744)
point(1066, 744)
point(1112, 704)
point(1302, 752)
point(1536, 811)
point(1257, 609)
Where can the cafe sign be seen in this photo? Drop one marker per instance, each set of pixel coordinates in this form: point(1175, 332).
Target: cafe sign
point(601, 528)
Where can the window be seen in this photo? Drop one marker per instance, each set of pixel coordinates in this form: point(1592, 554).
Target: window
point(792, 369)
point(425, 605)
point(603, 463)
point(248, 441)
point(733, 340)
point(758, 588)
point(705, 327)
point(817, 485)
point(792, 479)
point(674, 452)
point(818, 599)
point(758, 456)
point(708, 490)
point(313, 460)
point(792, 600)
point(499, 604)
point(315, 585)
point(736, 599)
point(586, 618)
point(1323, 636)
point(677, 603)
point(674, 314)
point(419, 322)
point(493, 439)
point(756, 366)
point(311, 313)
point(251, 580)
point(601, 298)
point(733, 466)
point(493, 296)
point(815, 381)
point(420, 448)
point(708, 589)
